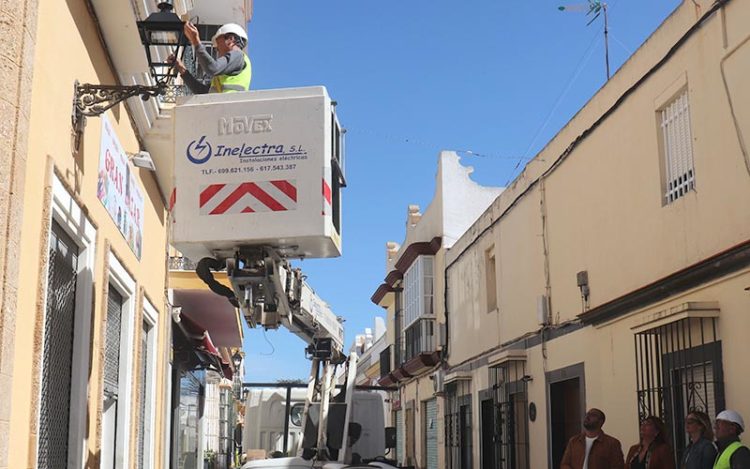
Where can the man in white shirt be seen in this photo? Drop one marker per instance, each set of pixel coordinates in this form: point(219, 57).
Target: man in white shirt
point(593, 449)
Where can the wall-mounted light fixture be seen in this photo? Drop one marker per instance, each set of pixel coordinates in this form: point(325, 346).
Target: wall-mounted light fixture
point(142, 159)
point(163, 29)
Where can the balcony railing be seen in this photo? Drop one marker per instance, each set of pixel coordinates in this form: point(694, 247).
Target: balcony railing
point(385, 361)
point(181, 263)
point(419, 338)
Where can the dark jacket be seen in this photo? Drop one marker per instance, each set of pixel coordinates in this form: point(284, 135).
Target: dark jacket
point(740, 459)
point(606, 453)
point(659, 457)
point(699, 455)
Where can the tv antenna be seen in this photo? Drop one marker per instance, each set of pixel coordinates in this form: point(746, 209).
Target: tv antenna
point(595, 8)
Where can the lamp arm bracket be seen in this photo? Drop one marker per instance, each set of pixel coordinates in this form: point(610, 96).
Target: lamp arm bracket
point(93, 100)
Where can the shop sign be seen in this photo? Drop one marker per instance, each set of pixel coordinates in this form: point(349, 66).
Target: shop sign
point(118, 189)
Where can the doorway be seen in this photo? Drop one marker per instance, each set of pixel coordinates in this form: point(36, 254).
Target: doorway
point(567, 402)
point(488, 435)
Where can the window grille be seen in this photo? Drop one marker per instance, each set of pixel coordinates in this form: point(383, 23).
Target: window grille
point(385, 361)
point(398, 319)
point(418, 286)
point(420, 338)
point(145, 397)
point(112, 344)
point(57, 355)
point(677, 148)
point(679, 370)
point(458, 425)
point(509, 420)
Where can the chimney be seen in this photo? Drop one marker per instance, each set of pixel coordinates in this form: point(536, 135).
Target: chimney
point(414, 215)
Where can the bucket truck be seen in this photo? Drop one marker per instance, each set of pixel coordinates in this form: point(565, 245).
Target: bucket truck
point(257, 179)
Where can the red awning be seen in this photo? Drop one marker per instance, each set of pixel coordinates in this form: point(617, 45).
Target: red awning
point(203, 344)
point(212, 312)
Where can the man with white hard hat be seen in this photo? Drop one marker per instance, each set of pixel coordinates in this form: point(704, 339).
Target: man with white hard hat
point(732, 454)
point(230, 72)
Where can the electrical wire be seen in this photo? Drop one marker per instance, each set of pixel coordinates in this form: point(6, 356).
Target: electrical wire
point(434, 146)
point(620, 43)
point(579, 68)
point(273, 349)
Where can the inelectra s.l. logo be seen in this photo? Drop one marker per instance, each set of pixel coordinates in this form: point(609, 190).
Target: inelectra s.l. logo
point(199, 151)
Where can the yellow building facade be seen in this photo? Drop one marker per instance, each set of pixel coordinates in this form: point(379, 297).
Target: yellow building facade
point(87, 329)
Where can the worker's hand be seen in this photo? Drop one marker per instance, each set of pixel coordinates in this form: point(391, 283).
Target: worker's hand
point(191, 33)
point(178, 65)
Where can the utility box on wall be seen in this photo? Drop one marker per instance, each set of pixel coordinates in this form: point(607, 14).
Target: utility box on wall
point(258, 168)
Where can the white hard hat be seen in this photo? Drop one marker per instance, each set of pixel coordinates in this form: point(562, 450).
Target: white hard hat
point(230, 28)
point(731, 416)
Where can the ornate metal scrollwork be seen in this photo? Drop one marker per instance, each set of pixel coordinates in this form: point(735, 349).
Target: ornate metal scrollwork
point(93, 100)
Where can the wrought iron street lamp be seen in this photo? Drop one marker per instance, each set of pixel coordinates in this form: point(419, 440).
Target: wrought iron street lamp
point(237, 360)
point(162, 29)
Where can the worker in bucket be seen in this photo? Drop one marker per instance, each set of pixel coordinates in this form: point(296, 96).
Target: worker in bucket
point(230, 72)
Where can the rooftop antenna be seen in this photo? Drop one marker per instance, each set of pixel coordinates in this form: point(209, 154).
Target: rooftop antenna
point(595, 8)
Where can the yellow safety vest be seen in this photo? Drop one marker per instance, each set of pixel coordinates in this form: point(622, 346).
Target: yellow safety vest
point(723, 461)
point(232, 83)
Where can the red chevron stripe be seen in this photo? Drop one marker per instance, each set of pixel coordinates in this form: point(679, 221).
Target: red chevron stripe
point(287, 188)
point(209, 192)
point(252, 189)
point(327, 191)
point(227, 203)
point(263, 196)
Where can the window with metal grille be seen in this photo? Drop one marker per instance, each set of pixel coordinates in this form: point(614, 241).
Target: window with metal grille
point(398, 320)
point(505, 430)
point(418, 290)
point(385, 361)
point(144, 430)
point(112, 344)
point(679, 370)
point(57, 354)
point(419, 338)
point(458, 424)
point(677, 148)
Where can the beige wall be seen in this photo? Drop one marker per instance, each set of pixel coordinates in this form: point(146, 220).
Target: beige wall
point(67, 30)
point(604, 210)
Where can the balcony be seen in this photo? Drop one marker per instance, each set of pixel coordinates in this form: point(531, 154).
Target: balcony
point(419, 338)
point(414, 352)
point(181, 263)
point(386, 379)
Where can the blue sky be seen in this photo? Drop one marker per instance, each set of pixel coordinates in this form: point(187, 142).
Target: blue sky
point(412, 77)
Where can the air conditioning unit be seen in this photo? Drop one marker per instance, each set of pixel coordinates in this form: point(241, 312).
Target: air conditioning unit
point(438, 382)
point(542, 310)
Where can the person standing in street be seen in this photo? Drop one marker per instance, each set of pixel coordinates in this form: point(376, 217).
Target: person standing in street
point(230, 72)
point(733, 454)
point(653, 451)
point(593, 449)
point(700, 452)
